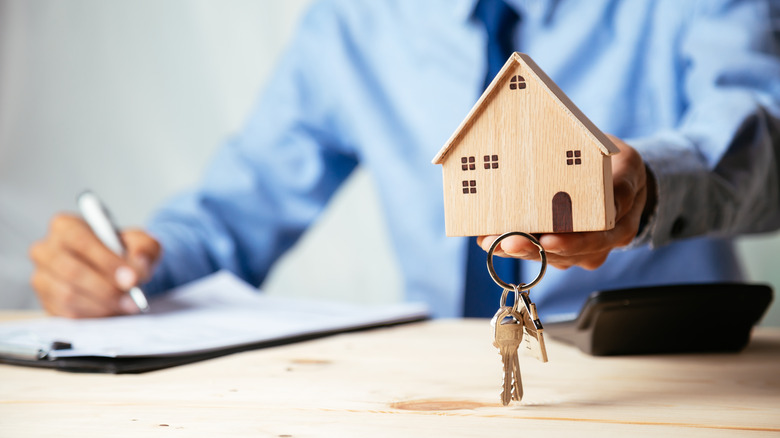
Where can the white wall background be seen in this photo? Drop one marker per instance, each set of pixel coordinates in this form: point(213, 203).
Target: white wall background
point(132, 98)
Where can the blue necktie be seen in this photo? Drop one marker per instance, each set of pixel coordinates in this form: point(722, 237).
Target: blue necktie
point(481, 293)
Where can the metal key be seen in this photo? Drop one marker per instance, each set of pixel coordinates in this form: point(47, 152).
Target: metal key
point(534, 339)
point(507, 336)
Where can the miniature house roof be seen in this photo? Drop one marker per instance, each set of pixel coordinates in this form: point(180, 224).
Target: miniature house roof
point(604, 144)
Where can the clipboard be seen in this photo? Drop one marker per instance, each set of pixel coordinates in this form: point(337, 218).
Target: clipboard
point(135, 365)
point(213, 317)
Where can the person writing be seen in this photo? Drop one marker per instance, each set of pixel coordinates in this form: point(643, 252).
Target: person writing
point(689, 91)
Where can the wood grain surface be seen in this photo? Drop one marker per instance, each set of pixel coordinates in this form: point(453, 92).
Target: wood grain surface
point(427, 379)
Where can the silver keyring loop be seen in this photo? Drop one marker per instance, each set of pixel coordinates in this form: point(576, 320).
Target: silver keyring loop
point(508, 286)
point(516, 289)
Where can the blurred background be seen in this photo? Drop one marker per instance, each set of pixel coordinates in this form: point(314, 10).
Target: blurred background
point(131, 99)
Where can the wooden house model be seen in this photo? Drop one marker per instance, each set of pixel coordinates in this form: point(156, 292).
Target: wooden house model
point(525, 158)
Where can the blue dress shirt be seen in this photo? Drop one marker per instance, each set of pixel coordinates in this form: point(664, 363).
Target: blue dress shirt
point(694, 86)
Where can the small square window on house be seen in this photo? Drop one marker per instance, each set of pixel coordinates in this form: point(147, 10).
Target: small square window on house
point(468, 163)
point(573, 157)
point(469, 186)
point(491, 161)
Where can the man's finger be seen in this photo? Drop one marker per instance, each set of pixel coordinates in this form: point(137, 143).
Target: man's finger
point(70, 268)
point(142, 251)
point(628, 175)
point(73, 234)
point(63, 299)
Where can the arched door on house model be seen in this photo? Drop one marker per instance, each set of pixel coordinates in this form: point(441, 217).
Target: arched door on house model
point(561, 212)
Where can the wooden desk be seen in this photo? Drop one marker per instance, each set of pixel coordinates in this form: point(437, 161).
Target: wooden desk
point(428, 379)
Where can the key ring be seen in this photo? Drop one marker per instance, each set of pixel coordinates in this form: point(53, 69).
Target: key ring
point(509, 286)
point(516, 289)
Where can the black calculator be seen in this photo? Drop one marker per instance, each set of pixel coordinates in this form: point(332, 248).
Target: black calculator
point(682, 318)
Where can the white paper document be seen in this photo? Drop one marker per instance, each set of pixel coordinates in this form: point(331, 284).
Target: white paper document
point(215, 313)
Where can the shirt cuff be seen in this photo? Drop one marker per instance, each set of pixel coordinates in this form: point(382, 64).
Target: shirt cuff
point(180, 262)
point(648, 221)
point(679, 173)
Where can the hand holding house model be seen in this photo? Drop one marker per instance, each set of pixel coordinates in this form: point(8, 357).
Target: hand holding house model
point(525, 158)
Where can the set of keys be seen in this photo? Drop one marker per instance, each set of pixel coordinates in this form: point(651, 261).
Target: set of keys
point(516, 325)
point(511, 329)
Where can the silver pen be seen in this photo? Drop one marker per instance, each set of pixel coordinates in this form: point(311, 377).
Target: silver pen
point(99, 219)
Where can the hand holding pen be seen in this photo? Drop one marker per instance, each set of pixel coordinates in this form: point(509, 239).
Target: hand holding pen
point(77, 275)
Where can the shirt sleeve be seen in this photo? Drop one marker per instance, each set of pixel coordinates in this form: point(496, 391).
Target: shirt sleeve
point(717, 172)
point(267, 184)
